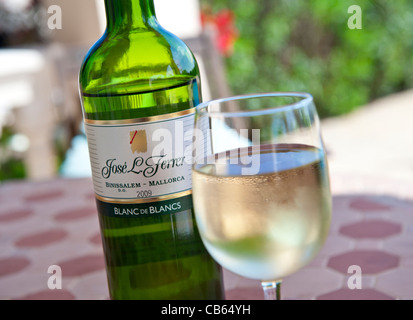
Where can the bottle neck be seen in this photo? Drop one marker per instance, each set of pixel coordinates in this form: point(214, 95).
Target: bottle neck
point(129, 14)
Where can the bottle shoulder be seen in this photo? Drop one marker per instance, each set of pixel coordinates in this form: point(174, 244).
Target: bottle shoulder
point(137, 60)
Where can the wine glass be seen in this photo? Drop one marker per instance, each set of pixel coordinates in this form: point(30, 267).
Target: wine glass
point(260, 184)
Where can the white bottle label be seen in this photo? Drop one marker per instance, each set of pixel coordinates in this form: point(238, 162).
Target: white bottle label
point(134, 161)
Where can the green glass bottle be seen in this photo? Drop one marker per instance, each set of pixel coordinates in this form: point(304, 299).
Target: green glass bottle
point(139, 85)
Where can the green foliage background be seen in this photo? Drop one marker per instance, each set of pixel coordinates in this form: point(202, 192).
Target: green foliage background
point(301, 45)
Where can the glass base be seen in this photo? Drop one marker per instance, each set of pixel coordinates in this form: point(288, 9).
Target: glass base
point(272, 290)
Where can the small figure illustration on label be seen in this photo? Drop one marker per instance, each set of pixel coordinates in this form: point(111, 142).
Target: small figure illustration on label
point(138, 141)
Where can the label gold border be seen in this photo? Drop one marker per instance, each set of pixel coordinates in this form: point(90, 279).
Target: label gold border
point(141, 120)
point(146, 200)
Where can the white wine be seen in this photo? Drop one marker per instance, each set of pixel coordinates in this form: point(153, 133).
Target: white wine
point(137, 80)
point(267, 225)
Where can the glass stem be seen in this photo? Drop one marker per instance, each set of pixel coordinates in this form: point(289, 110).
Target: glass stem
point(272, 290)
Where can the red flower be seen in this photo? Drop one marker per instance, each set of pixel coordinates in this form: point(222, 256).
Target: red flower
point(223, 25)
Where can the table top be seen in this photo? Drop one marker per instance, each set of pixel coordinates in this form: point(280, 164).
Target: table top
point(45, 223)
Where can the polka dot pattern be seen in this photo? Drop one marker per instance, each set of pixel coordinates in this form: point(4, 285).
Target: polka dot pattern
point(12, 265)
point(82, 265)
point(50, 223)
point(369, 231)
point(14, 215)
point(55, 223)
point(76, 214)
point(41, 239)
point(55, 294)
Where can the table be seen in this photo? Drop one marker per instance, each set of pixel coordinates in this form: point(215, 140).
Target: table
point(54, 222)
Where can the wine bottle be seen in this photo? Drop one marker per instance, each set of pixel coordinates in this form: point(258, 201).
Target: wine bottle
point(139, 85)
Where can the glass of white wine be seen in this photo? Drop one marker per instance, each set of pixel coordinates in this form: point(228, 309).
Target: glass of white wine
point(260, 184)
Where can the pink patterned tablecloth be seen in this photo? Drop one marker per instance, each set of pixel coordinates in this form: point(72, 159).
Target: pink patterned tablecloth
point(55, 223)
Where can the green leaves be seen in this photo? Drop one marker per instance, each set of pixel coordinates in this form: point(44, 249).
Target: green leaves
point(291, 45)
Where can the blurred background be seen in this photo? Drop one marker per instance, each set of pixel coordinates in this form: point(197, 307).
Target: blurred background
point(242, 47)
